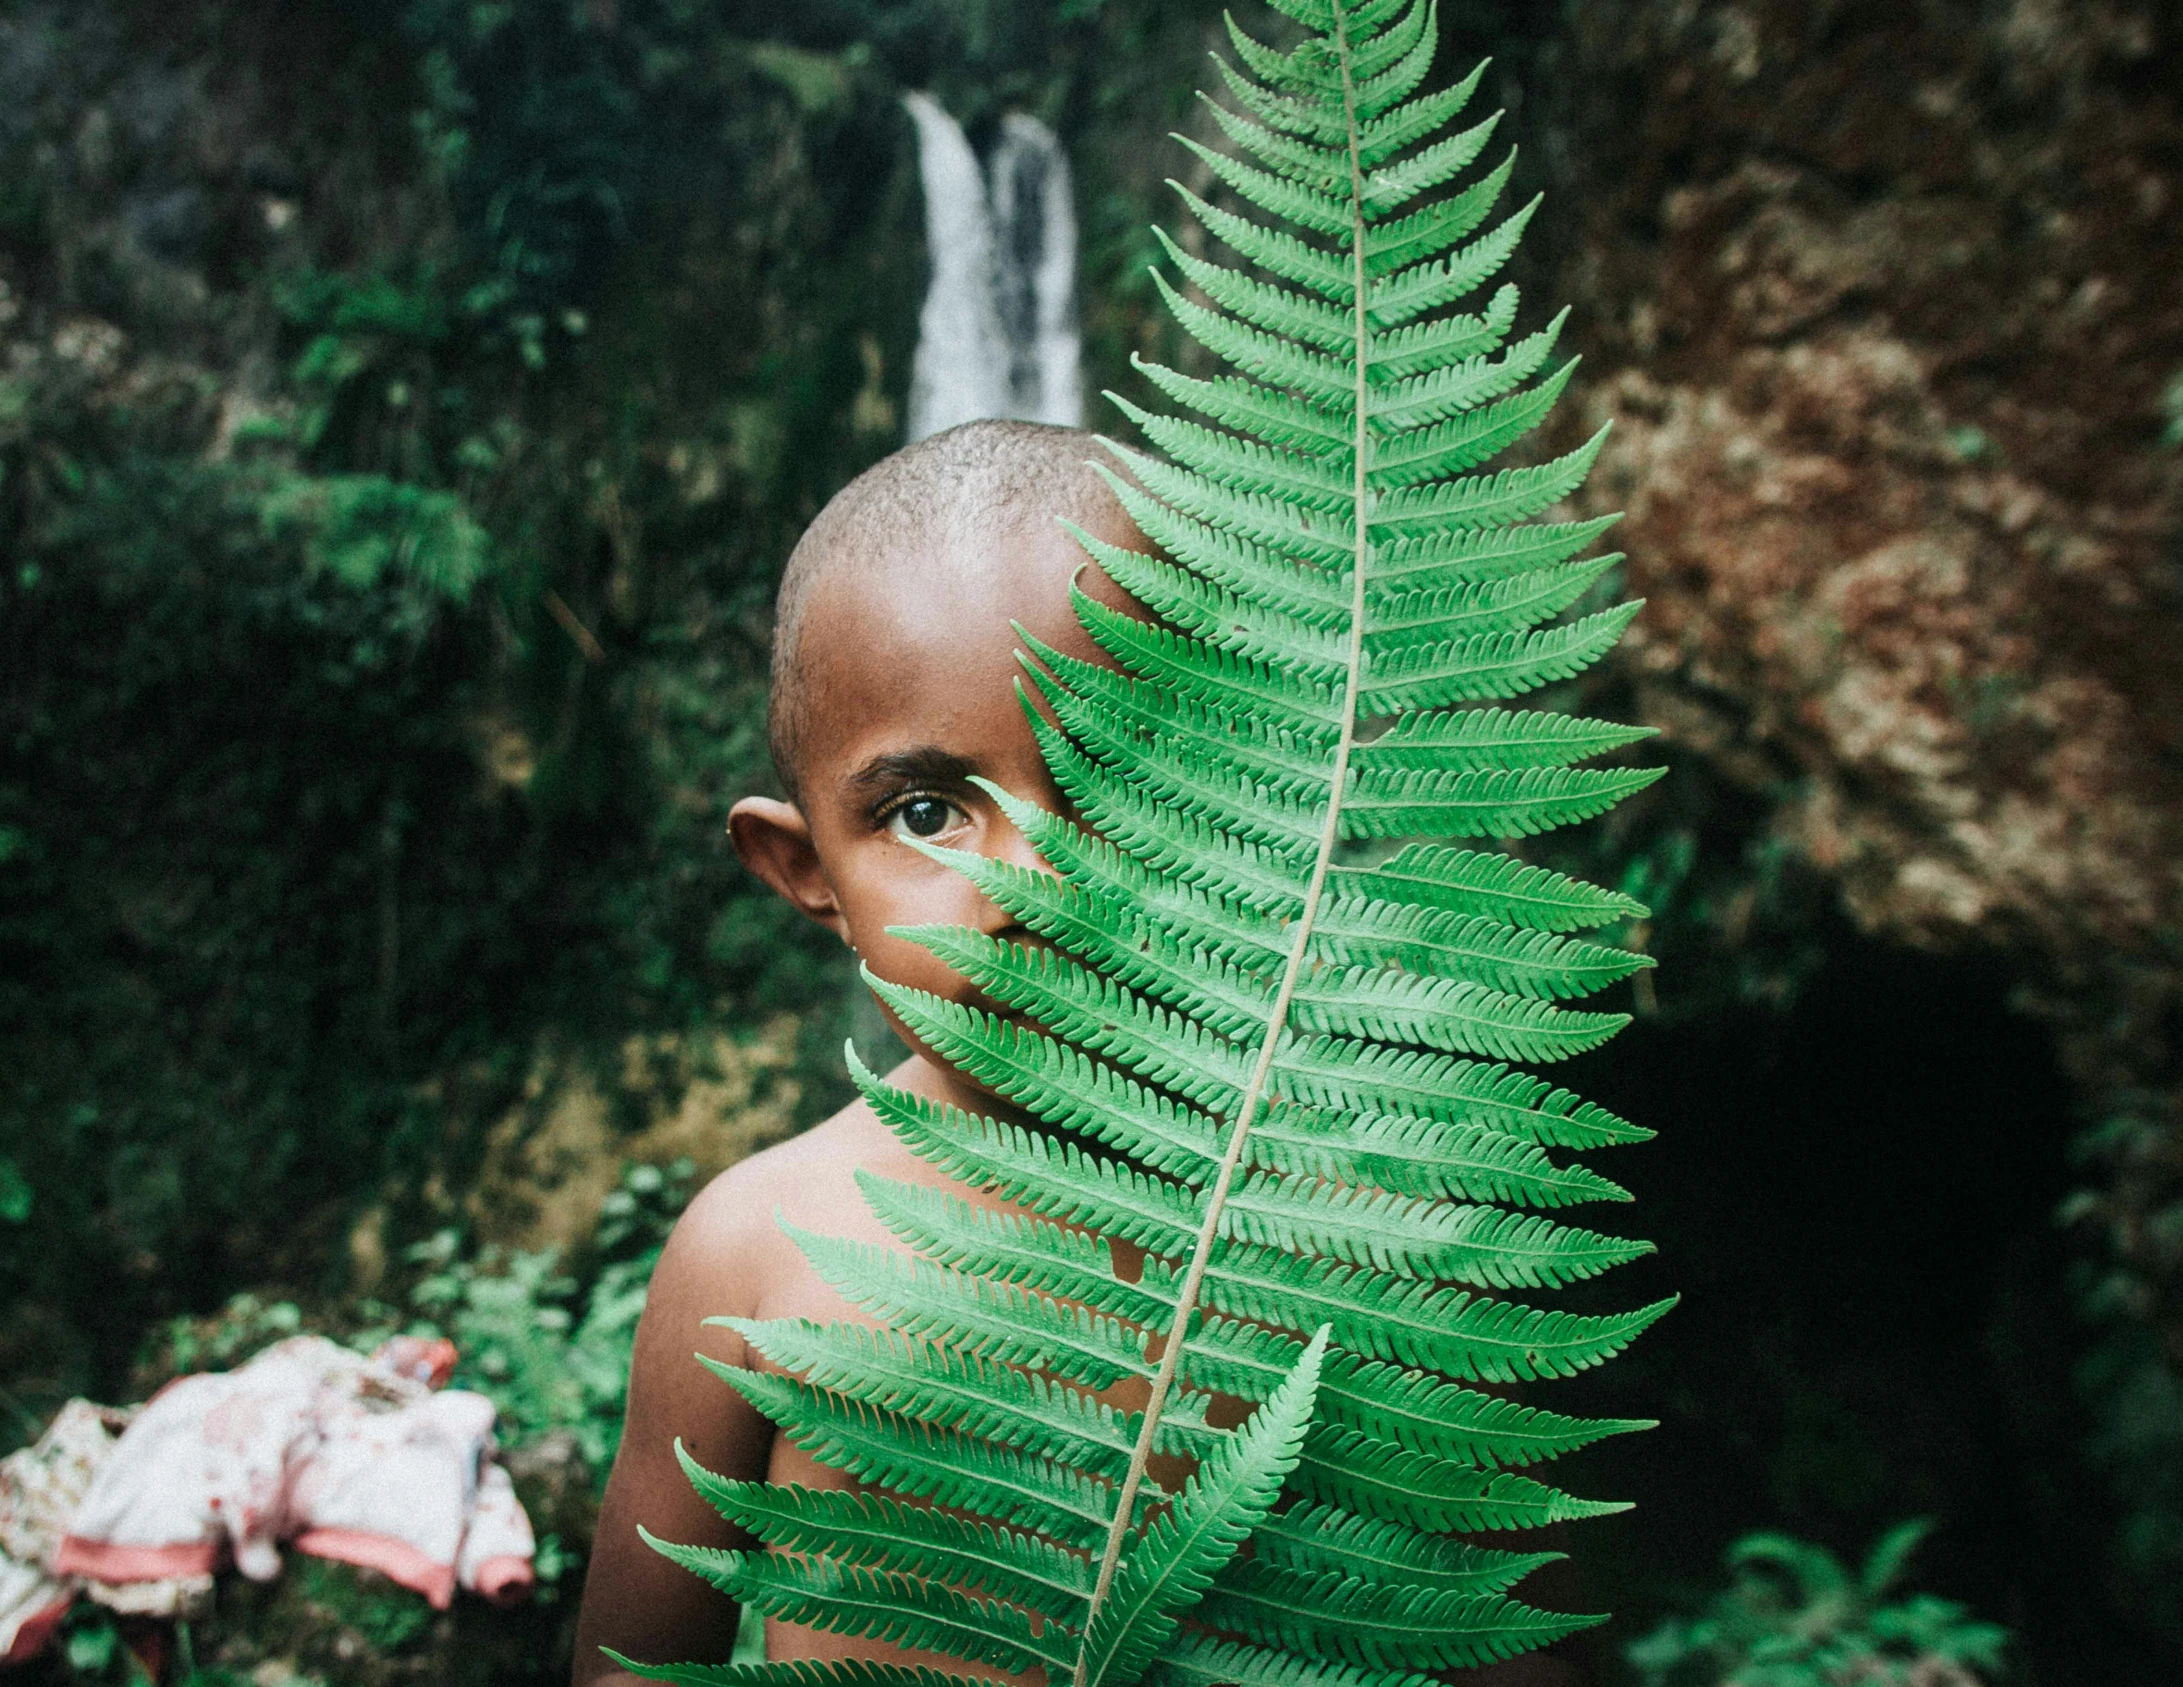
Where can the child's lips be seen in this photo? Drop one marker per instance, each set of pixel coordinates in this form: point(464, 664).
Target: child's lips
point(984, 1003)
point(1000, 1010)
point(1006, 1015)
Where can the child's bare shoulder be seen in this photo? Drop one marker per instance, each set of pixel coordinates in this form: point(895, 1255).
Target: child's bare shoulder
point(731, 1239)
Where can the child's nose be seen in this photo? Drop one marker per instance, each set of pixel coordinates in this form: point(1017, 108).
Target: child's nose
point(1007, 843)
point(1010, 845)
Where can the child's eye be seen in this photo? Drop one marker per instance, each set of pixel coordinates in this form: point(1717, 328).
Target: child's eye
point(925, 817)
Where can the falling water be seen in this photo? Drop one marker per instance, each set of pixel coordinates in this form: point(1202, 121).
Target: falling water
point(997, 335)
point(1034, 238)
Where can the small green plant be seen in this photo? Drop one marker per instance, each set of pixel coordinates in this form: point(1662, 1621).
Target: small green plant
point(384, 1615)
point(362, 527)
point(1796, 1617)
point(92, 1650)
point(247, 1324)
point(548, 1347)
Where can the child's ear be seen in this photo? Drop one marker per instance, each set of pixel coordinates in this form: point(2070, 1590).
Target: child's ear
point(774, 841)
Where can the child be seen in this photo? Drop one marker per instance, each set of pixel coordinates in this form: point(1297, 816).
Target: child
point(893, 684)
point(894, 671)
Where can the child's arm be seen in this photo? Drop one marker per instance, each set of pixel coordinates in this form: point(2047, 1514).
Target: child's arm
point(634, 1600)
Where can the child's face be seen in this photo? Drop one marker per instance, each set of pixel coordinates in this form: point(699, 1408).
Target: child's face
point(911, 678)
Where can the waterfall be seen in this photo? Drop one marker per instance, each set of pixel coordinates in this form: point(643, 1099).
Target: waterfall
point(997, 334)
point(1034, 242)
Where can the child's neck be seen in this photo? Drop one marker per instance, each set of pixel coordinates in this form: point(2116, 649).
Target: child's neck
point(935, 1080)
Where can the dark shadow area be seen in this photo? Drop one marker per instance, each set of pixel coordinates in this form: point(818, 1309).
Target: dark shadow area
point(1855, 1198)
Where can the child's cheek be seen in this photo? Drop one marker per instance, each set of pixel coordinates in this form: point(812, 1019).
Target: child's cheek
point(914, 893)
point(899, 961)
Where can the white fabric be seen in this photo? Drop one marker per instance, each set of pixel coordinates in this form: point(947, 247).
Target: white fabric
point(41, 1488)
point(311, 1443)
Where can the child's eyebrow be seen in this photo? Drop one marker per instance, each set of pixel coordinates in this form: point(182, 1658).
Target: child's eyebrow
point(926, 764)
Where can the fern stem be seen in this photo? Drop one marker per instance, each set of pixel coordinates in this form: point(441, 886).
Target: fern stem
point(1186, 1302)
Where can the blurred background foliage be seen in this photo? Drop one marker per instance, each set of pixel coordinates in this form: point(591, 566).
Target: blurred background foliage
point(1796, 1617)
point(405, 409)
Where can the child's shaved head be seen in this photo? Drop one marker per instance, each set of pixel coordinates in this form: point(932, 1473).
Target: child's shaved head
point(897, 721)
point(937, 505)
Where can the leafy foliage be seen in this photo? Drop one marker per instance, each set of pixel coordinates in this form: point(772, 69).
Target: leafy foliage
point(317, 819)
point(550, 1347)
point(1795, 1617)
point(1262, 1048)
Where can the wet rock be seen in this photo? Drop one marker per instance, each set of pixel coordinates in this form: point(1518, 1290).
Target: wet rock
point(1883, 303)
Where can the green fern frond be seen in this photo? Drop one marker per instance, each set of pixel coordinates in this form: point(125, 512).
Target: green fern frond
point(1316, 1539)
point(1282, 1059)
point(1378, 1624)
point(903, 1610)
point(1135, 1612)
point(872, 1531)
point(849, 1673)
point(1198, 1660)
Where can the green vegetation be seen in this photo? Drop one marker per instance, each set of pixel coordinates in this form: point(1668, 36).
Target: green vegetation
point(551, 1347)
point(1795, 1617)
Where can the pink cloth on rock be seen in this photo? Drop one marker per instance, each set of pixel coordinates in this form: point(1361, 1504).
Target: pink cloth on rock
point(498, 1548)
point(394, 1490)
point(312, 1444)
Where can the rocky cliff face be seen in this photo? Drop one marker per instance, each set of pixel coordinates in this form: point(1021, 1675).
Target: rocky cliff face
point(1886, 303)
